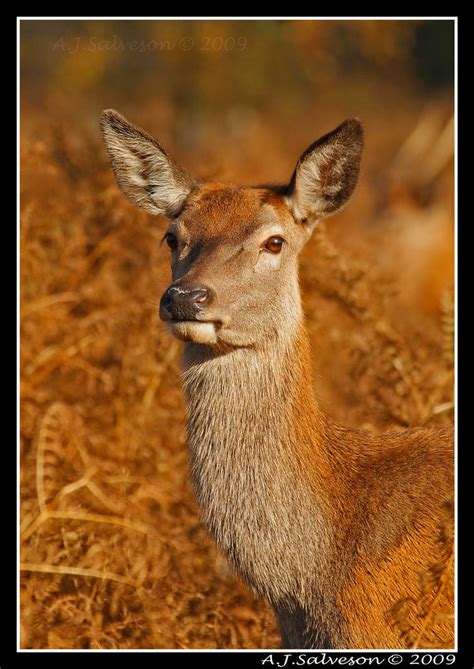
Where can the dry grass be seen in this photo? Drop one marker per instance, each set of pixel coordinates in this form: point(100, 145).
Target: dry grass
point(113, 554)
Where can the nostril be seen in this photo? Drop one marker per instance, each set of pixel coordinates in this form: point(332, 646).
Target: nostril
point(166, 300)
point(200, 296)
point(180, 303)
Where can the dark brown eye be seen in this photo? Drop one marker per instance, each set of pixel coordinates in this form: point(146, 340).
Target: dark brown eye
point(274, 244)
point(171, 240)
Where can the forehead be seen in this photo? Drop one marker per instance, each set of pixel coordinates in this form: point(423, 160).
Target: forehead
point(231, 212)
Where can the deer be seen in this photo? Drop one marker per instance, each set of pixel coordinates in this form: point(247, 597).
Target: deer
point(330, 525)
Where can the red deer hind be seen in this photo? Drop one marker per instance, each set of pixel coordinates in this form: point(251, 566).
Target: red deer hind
point(332, 526)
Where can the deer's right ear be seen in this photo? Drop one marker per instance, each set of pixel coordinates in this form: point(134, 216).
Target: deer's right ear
point(145, 173)
point(327, 173)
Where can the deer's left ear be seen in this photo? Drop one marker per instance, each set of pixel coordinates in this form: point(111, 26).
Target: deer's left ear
point(327, 172)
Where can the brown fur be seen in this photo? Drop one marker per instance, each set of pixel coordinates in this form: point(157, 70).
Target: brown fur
point(332, 526)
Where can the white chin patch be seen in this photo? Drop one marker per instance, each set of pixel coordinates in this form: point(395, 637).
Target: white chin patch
point(194, 331)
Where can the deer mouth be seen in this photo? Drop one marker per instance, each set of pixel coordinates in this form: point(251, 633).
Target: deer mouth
point(197, 332)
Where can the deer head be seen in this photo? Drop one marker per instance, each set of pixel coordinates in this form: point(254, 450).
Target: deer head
point(234, 249)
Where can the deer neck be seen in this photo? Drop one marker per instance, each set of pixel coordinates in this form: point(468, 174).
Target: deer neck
point(254, 431)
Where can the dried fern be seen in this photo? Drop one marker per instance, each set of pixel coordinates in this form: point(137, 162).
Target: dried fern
point(448, 324)
point(103, 482)
point(416, 618)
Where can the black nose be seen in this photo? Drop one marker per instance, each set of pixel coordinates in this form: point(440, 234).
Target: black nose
point(183, 304)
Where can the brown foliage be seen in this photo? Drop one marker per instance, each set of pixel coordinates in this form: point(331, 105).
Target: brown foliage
point(112, 551)
point(413, 616)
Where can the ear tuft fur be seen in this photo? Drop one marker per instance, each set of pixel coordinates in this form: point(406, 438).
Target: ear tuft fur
point(144, 171)
point(326, 173)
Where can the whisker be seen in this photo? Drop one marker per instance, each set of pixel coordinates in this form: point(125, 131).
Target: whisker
point(154, 302)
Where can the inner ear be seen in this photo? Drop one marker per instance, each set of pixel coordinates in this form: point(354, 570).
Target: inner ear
point(326, 173)
point(144, 171)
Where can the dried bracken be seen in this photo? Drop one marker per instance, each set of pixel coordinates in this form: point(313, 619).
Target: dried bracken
point(448, 322)
point(112, 551)
point(415, 616)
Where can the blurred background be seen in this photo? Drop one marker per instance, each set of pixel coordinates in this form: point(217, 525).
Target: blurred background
point(113, 554)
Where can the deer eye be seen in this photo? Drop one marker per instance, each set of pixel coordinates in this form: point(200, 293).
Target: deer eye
point(171, 240)
point(274, 244)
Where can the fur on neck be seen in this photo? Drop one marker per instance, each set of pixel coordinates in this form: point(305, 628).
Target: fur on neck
point(247, 455)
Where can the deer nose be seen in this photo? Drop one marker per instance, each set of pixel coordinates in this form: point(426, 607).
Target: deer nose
point(183, 304)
